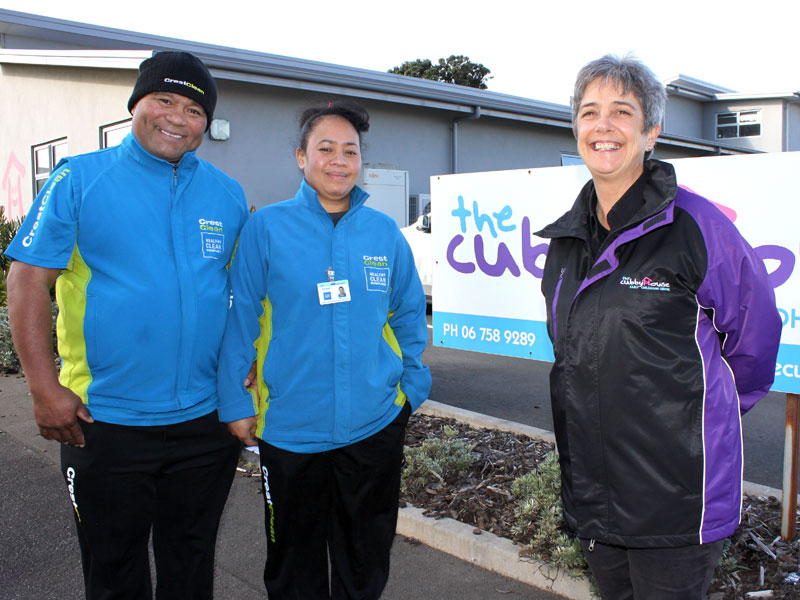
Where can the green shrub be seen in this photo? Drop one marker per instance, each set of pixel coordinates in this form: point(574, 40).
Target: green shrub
point(435, 461)
point(539, 518)
point(9, 361)
point(8, 229)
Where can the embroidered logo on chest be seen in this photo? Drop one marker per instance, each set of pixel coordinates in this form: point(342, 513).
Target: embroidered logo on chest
point(212, 237)
point(377, 273)
point(645, 283)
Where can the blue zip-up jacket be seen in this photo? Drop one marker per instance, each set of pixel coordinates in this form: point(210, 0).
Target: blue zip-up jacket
point(660, 343)
point(328, 375)
point(143, 295)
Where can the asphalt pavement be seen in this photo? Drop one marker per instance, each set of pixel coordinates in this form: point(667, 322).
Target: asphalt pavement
point(39, 558)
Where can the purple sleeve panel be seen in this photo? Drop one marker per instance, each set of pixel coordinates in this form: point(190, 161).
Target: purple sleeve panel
point(736, 288)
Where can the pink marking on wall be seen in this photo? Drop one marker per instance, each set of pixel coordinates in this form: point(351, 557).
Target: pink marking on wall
point(12, 188)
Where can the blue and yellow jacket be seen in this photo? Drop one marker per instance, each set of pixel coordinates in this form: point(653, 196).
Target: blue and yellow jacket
point(143, 295)
point(328, 374)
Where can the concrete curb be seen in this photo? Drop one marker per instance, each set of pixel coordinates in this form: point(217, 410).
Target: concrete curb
point(489, 552)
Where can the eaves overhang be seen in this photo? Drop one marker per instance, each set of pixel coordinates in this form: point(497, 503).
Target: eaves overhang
point(271, 69)
point(786, 96)
point(100, 59)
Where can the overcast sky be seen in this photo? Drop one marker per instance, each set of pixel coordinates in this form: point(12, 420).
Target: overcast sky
point(533, 51)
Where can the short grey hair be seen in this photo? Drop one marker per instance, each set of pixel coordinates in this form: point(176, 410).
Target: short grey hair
point(632, 75)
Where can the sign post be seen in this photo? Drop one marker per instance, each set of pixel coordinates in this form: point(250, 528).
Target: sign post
point(791, 461)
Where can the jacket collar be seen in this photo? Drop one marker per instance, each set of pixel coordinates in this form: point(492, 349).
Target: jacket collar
point(134, 149)
point(659, 192)
point(309, 197)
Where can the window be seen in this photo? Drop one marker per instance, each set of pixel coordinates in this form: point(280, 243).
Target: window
point(113, 134)
point(570, 159)
point(45, 159)
point(746, 123)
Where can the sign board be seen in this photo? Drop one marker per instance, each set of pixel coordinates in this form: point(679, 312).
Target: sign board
point(488, 265)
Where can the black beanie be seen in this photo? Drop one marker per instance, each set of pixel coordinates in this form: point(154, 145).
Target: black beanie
point(179, 73)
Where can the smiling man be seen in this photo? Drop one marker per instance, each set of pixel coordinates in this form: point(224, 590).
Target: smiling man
point(136, 240)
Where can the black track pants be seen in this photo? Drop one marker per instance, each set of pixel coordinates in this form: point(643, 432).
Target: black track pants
point(341, 504)
point(172, 478)
point(682, 573)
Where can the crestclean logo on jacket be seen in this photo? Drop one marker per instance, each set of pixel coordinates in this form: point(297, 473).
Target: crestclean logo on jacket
point(376, 272)
point(212, 235)
point(644, 284)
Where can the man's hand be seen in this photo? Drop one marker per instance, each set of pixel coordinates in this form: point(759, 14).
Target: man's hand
point(250, 381)
point(55, 408)
point(57, 413)
point(244, 430)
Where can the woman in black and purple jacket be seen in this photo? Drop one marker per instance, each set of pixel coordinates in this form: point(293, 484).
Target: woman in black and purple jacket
point(665, 332)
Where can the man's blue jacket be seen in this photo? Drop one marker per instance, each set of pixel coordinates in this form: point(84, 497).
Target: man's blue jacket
point(143, 295)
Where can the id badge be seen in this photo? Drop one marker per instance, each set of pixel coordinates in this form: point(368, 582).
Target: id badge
point(332, 292)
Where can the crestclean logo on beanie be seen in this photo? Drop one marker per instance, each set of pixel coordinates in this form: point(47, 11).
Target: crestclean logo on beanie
point(186, 83)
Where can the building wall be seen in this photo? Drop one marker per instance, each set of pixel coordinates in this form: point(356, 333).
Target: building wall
point(771, 138)
point(494, 144)
point(41, 104)
point(793, 127)
point(264, 136)
point(684, 117)
point(54, 102)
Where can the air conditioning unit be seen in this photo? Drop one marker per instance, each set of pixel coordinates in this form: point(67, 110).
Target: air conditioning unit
point(388, 192)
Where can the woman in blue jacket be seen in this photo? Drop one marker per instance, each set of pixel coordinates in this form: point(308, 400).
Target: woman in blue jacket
point(329, 310)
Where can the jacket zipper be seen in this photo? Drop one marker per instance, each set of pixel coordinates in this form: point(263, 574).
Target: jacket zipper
point(181, 385)
point(555, 302)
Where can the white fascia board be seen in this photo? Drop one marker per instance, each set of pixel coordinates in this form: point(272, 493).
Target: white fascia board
point(790, 96)
point(102, 59)
point(695, 85)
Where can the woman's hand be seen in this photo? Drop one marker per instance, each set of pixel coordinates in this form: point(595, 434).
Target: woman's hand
point(244, 430)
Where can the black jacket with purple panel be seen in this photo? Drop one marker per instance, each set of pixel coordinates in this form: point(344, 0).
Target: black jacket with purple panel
point(660, 343)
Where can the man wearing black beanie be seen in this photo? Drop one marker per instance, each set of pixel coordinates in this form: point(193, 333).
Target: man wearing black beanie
point(136, 240)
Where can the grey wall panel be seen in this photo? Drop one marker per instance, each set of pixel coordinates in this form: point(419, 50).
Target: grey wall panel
point(491, 144)
point(684, 117)
point(793, 127)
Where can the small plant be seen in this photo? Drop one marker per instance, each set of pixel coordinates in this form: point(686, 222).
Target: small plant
point(540, 518)
point(8, 229)
point(9, 361)
point(436, 461)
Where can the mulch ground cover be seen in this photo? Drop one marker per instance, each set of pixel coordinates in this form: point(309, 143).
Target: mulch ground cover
point(757, 560)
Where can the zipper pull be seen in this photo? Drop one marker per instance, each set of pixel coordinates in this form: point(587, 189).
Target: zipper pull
point(591, 545)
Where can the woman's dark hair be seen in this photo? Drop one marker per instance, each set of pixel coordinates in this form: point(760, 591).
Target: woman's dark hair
point(352, 112)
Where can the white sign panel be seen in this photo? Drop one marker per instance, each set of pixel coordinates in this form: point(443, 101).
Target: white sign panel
point(488, 265)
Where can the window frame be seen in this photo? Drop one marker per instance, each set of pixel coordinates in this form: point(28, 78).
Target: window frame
point(56, 150)
point(735, 123)
point(105, 130)
point(572, 159)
